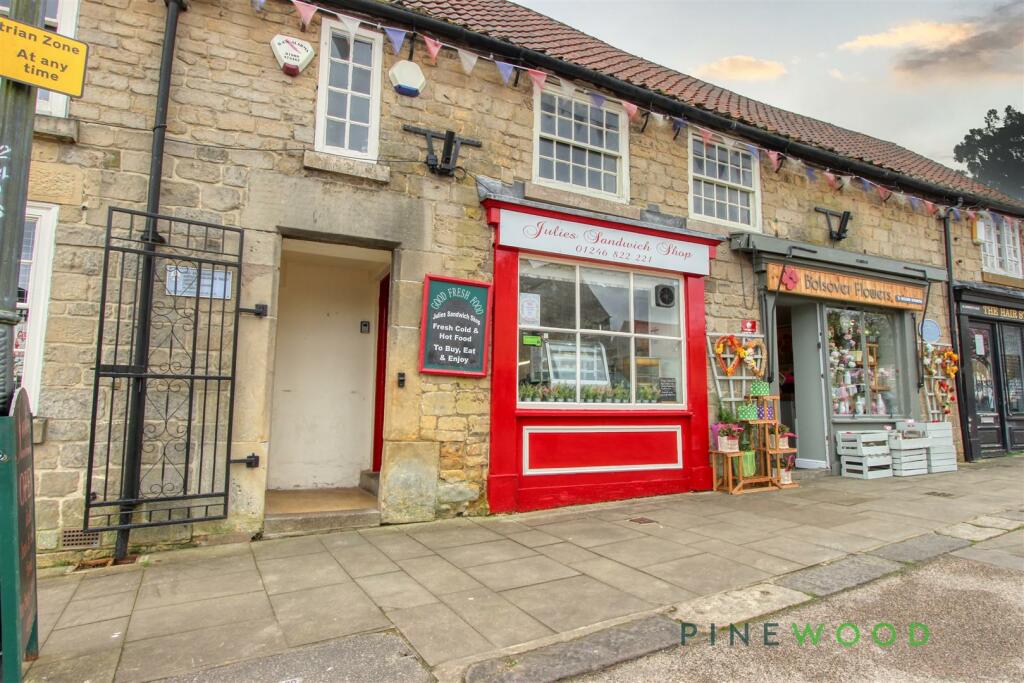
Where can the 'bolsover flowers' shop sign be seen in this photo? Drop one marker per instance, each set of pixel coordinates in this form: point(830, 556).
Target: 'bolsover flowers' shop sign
point(581, 240)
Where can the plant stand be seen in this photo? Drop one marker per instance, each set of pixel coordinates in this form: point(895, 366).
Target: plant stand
point(766, 440)
point(723, 468)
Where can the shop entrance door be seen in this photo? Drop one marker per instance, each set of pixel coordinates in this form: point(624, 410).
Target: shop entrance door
point(1013, 385)
point(810, 414)
point(322, 426)
point(984, 391)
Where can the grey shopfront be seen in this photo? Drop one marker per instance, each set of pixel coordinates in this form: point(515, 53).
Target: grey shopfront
point(841, 329)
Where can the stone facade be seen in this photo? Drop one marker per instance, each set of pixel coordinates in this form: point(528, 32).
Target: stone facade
point(240, 152)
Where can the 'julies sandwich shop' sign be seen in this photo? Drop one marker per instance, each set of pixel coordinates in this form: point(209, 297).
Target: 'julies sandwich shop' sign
point(582, 240)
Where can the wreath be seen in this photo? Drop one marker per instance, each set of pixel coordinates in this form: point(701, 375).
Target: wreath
point(946, 393)
point(949, 363)
point(731, 343)
point(750, 359)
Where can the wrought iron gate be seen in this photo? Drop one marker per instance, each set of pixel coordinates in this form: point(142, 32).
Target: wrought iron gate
point(163, 394)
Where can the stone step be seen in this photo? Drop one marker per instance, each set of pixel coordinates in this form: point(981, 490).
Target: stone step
point(302, 523)
point(369, 481)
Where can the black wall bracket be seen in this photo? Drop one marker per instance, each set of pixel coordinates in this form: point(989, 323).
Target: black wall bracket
point(259, 310)
point(251, 461)
point(839, 232)
point(449, 160)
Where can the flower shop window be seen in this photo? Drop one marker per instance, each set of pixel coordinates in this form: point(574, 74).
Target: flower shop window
point(863, 363)
point(599, 336)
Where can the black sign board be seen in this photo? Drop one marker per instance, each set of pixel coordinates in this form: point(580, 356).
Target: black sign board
point(667, 389)
point(455, 326)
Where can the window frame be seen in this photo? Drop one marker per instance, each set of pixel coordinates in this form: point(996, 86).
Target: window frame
point(67, 24)
point(997, 236)
point(683, 404)
point(755, 200)
point(40, 277)
point(622, 196)
point(898, 318)
point(328, 28)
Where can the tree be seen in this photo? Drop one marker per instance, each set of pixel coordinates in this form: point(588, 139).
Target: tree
point(995, 154)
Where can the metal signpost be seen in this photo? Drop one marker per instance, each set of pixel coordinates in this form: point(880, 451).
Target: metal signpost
point(29, 56)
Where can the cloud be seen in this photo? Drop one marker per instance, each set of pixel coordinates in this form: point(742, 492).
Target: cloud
point(988, 46)
point(742, 68)
point(836, 74)
point(918, 34)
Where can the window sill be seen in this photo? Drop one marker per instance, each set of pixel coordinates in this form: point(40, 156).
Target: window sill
point(58, 128)
point(1000, 279)
point(698, 222)
point(332, 163)
point(558, 410)
point(579, 200)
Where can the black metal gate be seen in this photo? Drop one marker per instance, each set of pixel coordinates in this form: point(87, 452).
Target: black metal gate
point(163, 395)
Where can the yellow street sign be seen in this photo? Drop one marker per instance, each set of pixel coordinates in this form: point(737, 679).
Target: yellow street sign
point(42, 58)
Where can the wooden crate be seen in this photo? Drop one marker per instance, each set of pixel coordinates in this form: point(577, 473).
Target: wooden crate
point(933, 469)
point(862, 443)
point(866, 467)
point(908, 457)
point(900, 442)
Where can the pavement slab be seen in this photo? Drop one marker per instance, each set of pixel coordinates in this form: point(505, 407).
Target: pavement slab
point(920, 548)
point(738, 606)
point(523, 572)
point(574, 602)
point(174, 592)
point(78, 612)
point(318, 614)
point(845, 573)
point(100, 586)
point(286, 574)
point(287, 547)
point(589, 532)
point(632, 581)
point(463, 556)
point(97, 667)
point(592, 652)
point(993, 556)
point(438, 575)
point(706, 573)
point(395, 590)
point(566, 553)
point(748, 556)
point(86, 639)
point(644, 551)
point(362, 559)
point(398, 546)
point(996, 522)
point(969, 532)
point(495, 618)
point(162, 621)
point(438, 633)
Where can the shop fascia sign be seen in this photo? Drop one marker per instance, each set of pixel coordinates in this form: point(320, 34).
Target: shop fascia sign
point(993, 311)
point(598, 243)
point(827, 284)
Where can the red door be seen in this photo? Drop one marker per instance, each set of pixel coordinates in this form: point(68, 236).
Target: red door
point(382, 357)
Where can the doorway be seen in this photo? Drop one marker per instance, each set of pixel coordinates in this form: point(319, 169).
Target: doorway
point(801, 381)
point(331, 324)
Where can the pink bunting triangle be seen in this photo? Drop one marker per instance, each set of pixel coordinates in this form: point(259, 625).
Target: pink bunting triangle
point(883, 192)
point(831, 179)
point(972, 216)
point(631, 110)
point(705, 135)
point(776, 159)
point(538, 78)
point(306, 12)
point(930, 207)
point(433, 47)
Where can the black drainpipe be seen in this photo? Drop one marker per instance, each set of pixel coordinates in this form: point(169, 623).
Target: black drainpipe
point(151, 237)
point(642, 95)
point(954, 336)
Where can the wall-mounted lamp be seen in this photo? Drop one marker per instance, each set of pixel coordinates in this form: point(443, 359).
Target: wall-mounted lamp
point(839, 232)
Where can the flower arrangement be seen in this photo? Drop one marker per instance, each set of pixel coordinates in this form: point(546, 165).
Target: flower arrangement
point(645, 393)
point(725, 433)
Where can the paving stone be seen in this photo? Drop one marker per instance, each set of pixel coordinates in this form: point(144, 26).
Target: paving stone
point(589, 532)
point(523, 572)
point(995, 557)
point(578, 601)
point(198, 567)
point(362, 560)
point(162, 621)
point(1012, 543)
point(438, 633)
point(495, 618)
point(1016, 515)
point(831, 538)
point(174, 592)
point(98, 667)
point(395, 590)
point(738, 606)
point(969, 532)
point(504, 525)
point(996, 522)
point(85, 639)
point(745, 555)
point(327, 612)
point(892, 529)
point(534, 538)
point(287, 547)
point(438, 575)
point(846, 573)
point(155, 658)
point(449, 537)
point(705, 573)
point(567, 553)
point(398, 546)
point(365, 658)
point(643, 551)
point(592, 652)
point(78, 612)
point(797, 551)
point(923, 547)
point(99, 586)
point(669, 533)
point(286, 574)
point(485, 553)
point(727, 532)
point(632, 581)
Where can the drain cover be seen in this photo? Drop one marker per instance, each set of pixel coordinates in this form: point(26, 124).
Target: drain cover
point(642, 520)
point(939, 494)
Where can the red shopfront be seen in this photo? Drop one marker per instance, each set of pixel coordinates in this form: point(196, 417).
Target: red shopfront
point(599, 386)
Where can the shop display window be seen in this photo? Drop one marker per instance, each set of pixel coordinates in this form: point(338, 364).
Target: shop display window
point(863, 363)
point(590, 335)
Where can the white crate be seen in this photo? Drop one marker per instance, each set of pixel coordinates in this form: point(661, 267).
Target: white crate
point(900, 442)
point(862, 443)
point(909, 457)
point(909, 473)
point(866, 467)
point(941, 468)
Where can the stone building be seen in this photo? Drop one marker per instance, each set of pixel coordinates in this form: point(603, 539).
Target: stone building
point(343, 221)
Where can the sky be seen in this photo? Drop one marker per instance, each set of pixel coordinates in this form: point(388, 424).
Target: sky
point(919, 74)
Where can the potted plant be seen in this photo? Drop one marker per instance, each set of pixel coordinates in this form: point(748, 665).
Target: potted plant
point(620, 394)
point(786, 474)
point(565, 393)
point(645, 393)
point(725, 432)
point(527, 392)
point(544, 393)
point(746, 466)
point(587, 394)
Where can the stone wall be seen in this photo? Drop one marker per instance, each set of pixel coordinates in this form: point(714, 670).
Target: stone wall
point(240, 152)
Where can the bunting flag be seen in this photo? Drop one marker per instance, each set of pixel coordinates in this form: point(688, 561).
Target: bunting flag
point(915, 203)
point(433, 47)
point(776, 160)
point(397, 38)
point(883, 192)
point(351, 24)
point(597, 100)
point(258, 5)
point(753, 150)
point(900, 199)
point(811, 175)
point(705, 135)
point(831, 179)
point(505, 69)
point(865, 184)
point(929, 207)
point(678, 123)
point(972, 217)
point(846, 181)
point(306, 12)
point(659, 119)
point(631, 110)
point(795, 165)
point(567, 87)
point(468, 61)
point(956, 213)
point(538, 78)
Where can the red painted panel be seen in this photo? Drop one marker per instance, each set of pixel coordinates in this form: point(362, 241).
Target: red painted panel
point(383, 298)
point(602, 448)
